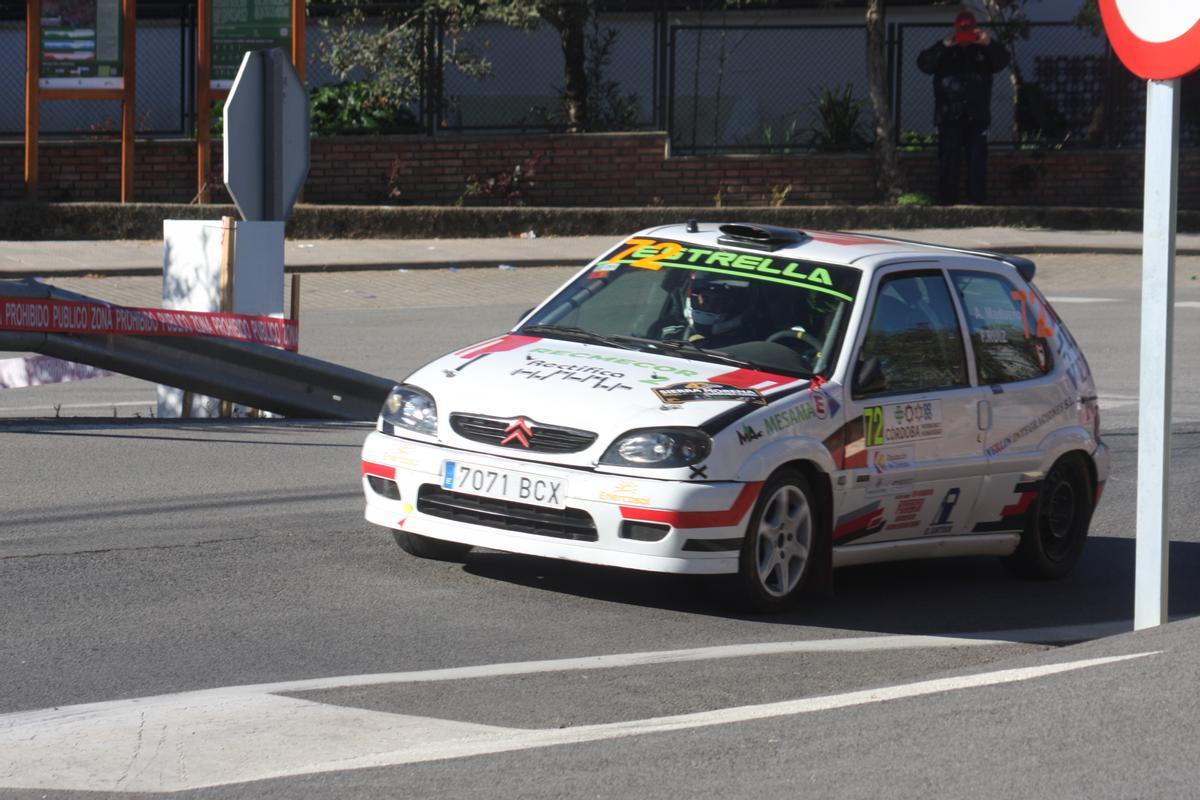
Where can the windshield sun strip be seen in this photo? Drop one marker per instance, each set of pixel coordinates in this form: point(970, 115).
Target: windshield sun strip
point(742, 274)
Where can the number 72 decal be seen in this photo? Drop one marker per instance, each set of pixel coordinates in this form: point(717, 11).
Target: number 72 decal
point(1044, 331)
point(873, 423)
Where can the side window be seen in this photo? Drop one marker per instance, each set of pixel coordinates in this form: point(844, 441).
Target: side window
point(913, 341)
point(1007, 328)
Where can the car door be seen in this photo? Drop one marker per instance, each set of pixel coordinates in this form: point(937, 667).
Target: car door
point(915, 467)
point(1025, 395)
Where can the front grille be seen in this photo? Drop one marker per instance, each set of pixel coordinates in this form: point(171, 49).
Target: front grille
point(561, 523)
point(543, 439)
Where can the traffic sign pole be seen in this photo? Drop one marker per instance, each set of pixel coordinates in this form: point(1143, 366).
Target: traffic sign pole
point(1158, 323)
point(266, 136)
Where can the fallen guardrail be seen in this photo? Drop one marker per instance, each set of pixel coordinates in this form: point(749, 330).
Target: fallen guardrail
point(182, 354)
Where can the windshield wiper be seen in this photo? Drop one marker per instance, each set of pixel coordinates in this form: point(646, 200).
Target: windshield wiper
point(676, 346)
point(573, 334)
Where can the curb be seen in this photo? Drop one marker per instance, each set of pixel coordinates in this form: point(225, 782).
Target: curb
point(294, 269)
point(376, 266)
point(105, 221)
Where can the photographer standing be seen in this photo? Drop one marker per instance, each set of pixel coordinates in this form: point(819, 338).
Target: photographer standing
point(962, 66)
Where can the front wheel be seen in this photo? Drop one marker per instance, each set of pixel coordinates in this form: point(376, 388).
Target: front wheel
point(1053, 538)
point(435, 549)
point(777, 549)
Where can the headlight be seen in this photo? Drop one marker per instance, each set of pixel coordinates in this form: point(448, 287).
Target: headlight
point(659, 447)
point(410, 408)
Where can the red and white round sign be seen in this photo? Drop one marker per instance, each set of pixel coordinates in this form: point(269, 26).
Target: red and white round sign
point(1156, 39)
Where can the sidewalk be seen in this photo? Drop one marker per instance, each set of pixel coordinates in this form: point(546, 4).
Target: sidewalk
point(43, 259)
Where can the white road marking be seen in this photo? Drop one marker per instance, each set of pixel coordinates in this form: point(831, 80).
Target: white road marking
point(73, 406)
point(1067, 299)
point(1111, 401)
point(245, 733)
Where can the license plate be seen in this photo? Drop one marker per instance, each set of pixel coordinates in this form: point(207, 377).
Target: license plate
point(504, 484)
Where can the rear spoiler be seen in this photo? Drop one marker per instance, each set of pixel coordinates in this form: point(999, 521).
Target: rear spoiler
point(1024, 266)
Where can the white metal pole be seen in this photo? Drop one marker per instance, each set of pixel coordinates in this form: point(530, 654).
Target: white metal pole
point(1158, 323)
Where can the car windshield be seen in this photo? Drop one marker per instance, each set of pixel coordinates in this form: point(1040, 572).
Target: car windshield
point(754, 309)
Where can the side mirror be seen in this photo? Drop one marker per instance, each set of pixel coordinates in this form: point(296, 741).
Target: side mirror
point(869, 377)
point(526, 313)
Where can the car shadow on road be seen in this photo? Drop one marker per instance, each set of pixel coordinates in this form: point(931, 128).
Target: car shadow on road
point(936, 597)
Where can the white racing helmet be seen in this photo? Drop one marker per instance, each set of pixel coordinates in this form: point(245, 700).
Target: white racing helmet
point(715, 305)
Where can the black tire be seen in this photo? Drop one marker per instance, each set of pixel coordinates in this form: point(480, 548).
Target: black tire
point(781, 536)
point(1057, 529)
point(434, 549)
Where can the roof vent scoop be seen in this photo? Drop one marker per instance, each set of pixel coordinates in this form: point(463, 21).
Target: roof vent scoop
point(760, 237)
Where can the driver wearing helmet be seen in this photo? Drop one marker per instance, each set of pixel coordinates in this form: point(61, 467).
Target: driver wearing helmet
point(715, 309)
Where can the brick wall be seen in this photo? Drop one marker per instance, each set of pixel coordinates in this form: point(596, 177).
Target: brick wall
point(585, 170)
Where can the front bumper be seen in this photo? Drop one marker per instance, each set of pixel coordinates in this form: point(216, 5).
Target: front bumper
point(703, 523)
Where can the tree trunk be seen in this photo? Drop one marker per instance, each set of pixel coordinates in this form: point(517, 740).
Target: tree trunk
point(570, 19)
point(890, 177)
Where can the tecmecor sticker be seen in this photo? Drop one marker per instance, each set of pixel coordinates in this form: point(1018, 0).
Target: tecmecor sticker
point(74, 316)
point(902, 422)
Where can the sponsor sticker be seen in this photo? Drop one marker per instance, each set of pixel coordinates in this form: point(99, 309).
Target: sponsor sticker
point(903, 422)
point(993, 335)
point(820, 404)
point(398, 454)
point(747, 434)
point(696, 391)
point(941, 518)
point(598, 360)
point(892, 459)
point(908, 510)
point(654, 254)
point(627, 492)
point(1037, 422)
point(591, 377)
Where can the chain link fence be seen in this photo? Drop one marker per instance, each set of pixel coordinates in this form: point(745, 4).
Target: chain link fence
point(164, 93)
point(524, 89)
point(794, 88)
point(767, 89)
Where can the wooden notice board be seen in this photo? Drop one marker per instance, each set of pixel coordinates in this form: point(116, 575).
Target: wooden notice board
point(239, 25)
point(80, 50)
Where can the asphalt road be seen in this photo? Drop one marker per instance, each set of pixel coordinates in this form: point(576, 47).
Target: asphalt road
point(291, 650)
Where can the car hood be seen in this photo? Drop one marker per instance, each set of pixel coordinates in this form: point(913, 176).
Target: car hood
point(599, 389)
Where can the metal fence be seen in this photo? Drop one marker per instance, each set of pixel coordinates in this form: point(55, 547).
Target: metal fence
point(715, 88)
point(165, 78)
point(754, 88)
point(804, 88)
point(1064, 89)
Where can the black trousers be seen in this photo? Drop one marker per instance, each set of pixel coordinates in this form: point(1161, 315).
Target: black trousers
point(958, 140)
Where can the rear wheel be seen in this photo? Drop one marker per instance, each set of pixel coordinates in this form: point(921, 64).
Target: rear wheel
point(435, 549)
point(776, 552)
point(1054, 537)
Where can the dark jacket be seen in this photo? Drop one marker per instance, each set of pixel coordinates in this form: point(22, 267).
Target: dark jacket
point(962, 79)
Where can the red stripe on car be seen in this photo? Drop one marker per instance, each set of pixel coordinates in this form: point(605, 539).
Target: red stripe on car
point(752, 379)
point(867, 520)
point(501, 344)
point(379, 470)
point(1021, 506)
point(698, 519)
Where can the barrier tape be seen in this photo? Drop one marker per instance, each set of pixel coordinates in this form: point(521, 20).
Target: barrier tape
point(75, 316)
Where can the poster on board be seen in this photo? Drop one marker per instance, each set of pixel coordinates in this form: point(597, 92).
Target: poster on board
point(241, 25)
point(81, 44)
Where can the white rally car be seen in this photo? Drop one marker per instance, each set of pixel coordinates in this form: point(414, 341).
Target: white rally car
point(759, 402)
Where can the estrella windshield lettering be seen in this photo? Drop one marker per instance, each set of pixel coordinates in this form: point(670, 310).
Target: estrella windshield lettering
point(655, 254)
